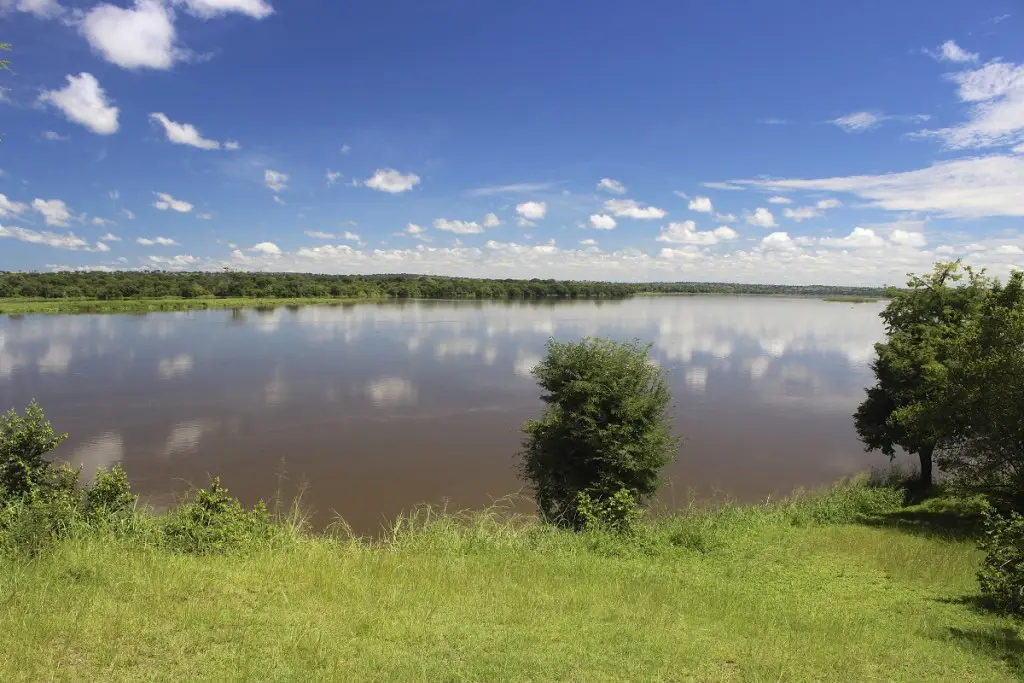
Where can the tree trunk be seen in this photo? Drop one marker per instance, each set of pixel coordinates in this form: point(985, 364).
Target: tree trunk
point(925, 454)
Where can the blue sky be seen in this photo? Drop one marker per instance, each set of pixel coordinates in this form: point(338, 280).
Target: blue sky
point(803, 142)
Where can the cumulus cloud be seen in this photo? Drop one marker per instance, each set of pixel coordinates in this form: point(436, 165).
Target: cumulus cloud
point(491, 220)
point(907, 238)
point(179, 262)
point(859, 238)
point(332, 176)
point(686, 233)
point(629, 208)
point(613, 186)
point(416, 232)
point(701, 204)
point(156, 242)
point(54, 136)
point(110, 237)
point(588, 243)
point(961, 188)
point(141, 37)
point(275, 180)
point(762, 218)
point(458, 227)
point(165, 202)
point(268, 248)
point(84, 102)
point(778, 240)
point(183, 133)
point(232, 145)
point(54, 211)
point(531, 211)
point(602, 221)
point(391, 181)
point(43, 9)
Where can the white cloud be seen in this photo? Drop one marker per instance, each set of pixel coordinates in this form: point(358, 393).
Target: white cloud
point(345, 149)
point(166, 202)
point(725, 217)
point(961, 188)
point(54, 136)
point(780, 200)
point(491, 220)
point(157, 242)
point(57, 240)
point(183, 133)
point(142, 37)
point(858, 121)
point(232, 145)
point(859, 238)
point(278, 200)
point(178, 262)
point(515, 188)
point(332, 176)
point(688, 253)
point(391, 181)
point(458, 227)
point(9, 208)
point(1009, 249)
point(801, 213)
point(275, 180)
point(722, 186)
point(996, 95)
point(826, 204)
point(209, 9)
point(949, 51)
point(778, 240)
point(628, 208)
point(701, 204)
point(43, 9)
point(316, 234)
point(687, 233)
point(589, 243)
point(204, 216)
point(602, 221)
point(84, 102)
point(101, 222)
point(128, 214)
point(54, 211)
point(762, 218)
point(110, 237)
point(351, 236)
point(415, 231)
point(613, 186)
point(268, 248)
point(532, 211)
point(907, 238)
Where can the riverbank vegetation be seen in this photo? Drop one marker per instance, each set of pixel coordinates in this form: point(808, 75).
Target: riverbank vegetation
point(66, 292)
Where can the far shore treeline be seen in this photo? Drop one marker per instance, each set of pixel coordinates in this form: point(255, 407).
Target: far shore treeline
point(113, 286)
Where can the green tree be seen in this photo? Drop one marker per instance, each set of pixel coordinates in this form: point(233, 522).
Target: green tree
point(24, 441)
point(604, 429)
point(900, 410)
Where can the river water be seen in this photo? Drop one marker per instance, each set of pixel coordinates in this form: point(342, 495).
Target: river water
point(380, 407)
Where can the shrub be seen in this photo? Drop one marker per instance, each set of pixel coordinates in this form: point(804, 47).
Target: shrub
point(214, 522)
point(604, 429)
point(1002, 572)
point(111, 495)
point(618, 512)
point(30, 523)
point(24, 441)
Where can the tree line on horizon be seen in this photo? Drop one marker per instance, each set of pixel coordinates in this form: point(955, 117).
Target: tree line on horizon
point(121, 285)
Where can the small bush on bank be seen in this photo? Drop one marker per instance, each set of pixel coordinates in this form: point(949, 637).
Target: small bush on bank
point(605, 428)
point(24, 442)
point(1002, 572)
point(214, 522)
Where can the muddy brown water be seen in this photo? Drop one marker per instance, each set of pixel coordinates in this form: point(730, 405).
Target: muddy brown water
point(381, 407)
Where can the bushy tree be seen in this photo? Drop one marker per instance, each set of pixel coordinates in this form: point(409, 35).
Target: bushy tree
point(24, 442)
point(604, 430)
point(910, 366)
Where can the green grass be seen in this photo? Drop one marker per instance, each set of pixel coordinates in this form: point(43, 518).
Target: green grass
point(23, 306)
point(843, 587)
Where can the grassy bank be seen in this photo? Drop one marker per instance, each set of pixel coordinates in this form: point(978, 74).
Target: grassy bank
point(852, 299)
point(22, 306)
point(846, 586)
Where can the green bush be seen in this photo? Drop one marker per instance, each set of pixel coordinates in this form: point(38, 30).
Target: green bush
point(30, 523)
point(24, 441)
point(214, 522)
point(605, 427)
point(618, 512)
point(1002, 572)
point(111, 495)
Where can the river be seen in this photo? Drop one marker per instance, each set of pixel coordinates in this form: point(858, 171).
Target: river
point(380, 407)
